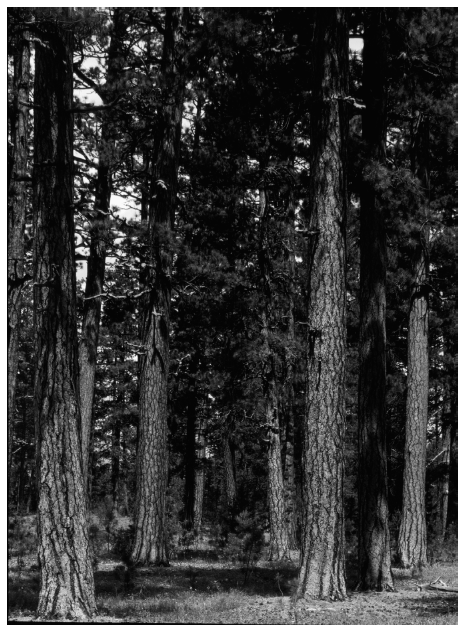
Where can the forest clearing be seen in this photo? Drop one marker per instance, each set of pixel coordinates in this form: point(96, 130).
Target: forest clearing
point(210, 585)
point(233, 314)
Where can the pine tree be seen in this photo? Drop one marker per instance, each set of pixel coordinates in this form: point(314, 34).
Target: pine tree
point(150, 545)
point(374, 538)
point(322, 571)
point(17, 208)
point(67, 583)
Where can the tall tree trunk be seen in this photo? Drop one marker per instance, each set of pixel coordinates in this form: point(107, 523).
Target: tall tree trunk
point(199, 474)
point(99, 237)
point(190, 458)
point(152, 459)
point(374, 539)
point(17, 204)
point(67, 583)
point(279, 539)
point(322, 571)
point(412, 533)
point(289, 360)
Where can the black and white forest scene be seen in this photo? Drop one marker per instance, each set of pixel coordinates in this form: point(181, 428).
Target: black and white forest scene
point(232, 315)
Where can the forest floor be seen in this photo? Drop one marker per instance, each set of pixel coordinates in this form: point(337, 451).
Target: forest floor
point(201, 586)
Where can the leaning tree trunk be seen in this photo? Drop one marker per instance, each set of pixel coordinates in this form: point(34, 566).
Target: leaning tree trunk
point(412, 534)
point(99, 236)
point(17, 205)
point(322, 571)
point(67, 583)
point(374, 538)
point(150, 545)
point(279, 539)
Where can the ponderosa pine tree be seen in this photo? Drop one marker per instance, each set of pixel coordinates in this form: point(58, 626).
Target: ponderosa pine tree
point(17, 208)
point(99, 234)
point(279, 537)
point(67, 582)
point(374, 538)
point(322, 574)
point(150, 545)
point(412, 534)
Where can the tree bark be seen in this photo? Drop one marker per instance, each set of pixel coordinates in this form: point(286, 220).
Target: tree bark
point(17, 205)
point(152, 459)
point(374, 539)
point(289, 360)
point(190, 459)
point(67, 583)
point(442, 489)
point(229, 473)
point(322, 571)
point(99, 237)
point(199, 474)
point(412, 534)
point(279, 539)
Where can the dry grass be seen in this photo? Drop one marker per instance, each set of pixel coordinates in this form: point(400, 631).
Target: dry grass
point(202, 586)
point(166, 595)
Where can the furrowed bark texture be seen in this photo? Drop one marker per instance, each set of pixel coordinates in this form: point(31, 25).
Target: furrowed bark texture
point(289, 360)
point(229, 473)
point(17, 204)
point(279, 540)
point(67, 584)
point(374, 538)
point(99, 237)
point(152, 459)
point(199, 474)
point(322, 571)
point(412, 533)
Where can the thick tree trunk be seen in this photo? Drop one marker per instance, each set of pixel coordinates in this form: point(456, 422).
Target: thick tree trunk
point(199, 474)
point(99, 236)
point(374, 538)
point(17, 205)
point(412, 534)
point(152, 458)
point(279, 539)
point(322, 571)
point(67, 583)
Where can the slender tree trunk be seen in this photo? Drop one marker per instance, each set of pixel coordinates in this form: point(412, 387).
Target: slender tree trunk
point(322, 571)
point(17, 205)
point(67, 583)
point(152, 459)
point(99, 237)
point(190, 459)
point(289, 469)
point(374, 538)
point(442, 488)
point(199, 474)
point(412, 534)
point(279, 539)
point(229, 474)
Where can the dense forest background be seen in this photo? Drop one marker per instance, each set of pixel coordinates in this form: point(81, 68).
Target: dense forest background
point(170, 172)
